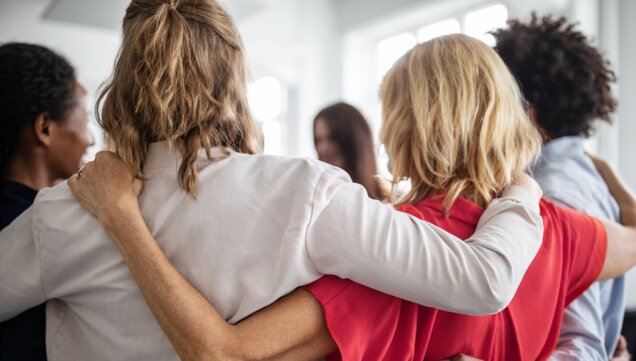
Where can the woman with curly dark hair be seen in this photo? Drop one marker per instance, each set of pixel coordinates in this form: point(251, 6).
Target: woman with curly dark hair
point(566, 81)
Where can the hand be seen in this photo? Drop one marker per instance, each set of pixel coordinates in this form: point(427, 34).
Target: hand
point(106, 185)
point(462, 358)
point(528, 183)
point(621, 353)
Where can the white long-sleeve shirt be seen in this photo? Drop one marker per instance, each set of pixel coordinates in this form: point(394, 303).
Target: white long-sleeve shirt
point(259, 227)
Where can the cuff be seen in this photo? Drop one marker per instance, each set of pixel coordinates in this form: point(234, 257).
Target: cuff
point(521, 195)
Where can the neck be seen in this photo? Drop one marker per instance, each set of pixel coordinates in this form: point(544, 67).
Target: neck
point(30, 170)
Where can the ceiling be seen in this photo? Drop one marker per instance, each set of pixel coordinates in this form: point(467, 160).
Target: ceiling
point(108, 14)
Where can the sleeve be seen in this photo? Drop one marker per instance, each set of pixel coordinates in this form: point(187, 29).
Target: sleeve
point(355, 237)
point(20, 276)
point(582, 334)
point(364, 323)
point(585, 246)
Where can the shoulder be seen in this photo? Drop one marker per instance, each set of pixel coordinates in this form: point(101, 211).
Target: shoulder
point(280, 167)
point(564, 223)
point(60, 192)
point(575, 185)
point(58, 208)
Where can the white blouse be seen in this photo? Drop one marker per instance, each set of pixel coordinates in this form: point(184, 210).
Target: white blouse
point(260, 226)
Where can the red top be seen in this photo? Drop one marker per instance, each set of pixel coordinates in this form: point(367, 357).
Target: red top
point(370, 325)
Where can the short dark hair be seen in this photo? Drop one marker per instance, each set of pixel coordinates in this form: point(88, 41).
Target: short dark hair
point(563, 77)
point(33, 80)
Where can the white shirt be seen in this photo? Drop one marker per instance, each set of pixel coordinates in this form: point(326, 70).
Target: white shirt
point(260, 226)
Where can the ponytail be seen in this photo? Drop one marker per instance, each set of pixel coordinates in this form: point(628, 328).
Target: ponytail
point(179, 77)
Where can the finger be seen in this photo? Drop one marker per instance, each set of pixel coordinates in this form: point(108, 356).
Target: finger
point(72, 181)
point(88, 169)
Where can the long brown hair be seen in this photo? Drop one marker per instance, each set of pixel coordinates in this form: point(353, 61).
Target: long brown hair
point(455, 122)
point(179, 77)
point(351, 132)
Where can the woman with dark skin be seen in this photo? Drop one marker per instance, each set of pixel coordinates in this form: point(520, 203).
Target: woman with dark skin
point(43, 140)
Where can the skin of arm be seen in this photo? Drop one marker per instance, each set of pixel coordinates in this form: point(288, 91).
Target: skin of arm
point(292, 328)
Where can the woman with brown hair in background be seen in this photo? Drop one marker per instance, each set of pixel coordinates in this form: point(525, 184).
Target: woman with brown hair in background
point(342, 138)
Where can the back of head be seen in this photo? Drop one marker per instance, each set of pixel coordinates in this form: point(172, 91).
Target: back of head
point(454, 121)
point(33, 80)
point(350, 130)
point(179, 77)
point(565, 79)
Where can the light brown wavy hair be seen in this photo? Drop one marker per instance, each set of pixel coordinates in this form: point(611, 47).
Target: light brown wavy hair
point(454, 122)
point(179, 77)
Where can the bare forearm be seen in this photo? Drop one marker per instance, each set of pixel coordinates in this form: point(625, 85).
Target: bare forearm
point(290, 329)
point(621, 239)
point(193, 327)
point(621, 250)
point(619, 190)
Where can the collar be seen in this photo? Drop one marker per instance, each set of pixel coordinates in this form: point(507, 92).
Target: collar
point(161, 156)
point(462, 209)
point(17, 191)
point(564, 147)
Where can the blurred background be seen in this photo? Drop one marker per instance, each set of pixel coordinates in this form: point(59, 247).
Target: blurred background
point(305, 54)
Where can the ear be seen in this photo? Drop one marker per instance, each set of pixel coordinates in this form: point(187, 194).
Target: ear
point(42, 128)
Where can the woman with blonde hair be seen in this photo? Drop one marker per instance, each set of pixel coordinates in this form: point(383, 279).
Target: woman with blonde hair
point(244, 228)
point(455, 126)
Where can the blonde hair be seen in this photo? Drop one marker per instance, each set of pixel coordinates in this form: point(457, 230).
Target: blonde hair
point(454, 122)
point(179, 77)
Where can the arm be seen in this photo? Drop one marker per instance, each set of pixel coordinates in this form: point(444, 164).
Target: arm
point(621, 238)
point(290, 329)
point(20, 278)
point(354, 237)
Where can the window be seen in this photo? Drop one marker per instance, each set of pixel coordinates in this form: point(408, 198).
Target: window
point(478, 23)
point(449, 26)
point(266, 99)
point(391, 49)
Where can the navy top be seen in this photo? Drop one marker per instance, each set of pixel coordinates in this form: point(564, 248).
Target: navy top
point(22, 337)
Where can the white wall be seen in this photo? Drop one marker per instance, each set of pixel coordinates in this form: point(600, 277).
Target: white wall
point(296, 41)
point(627, 111)
point(627, 91)
point(91, 50)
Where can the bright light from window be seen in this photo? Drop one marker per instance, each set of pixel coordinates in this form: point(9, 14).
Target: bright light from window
point(265, 98)
point(272, 137)
point(478, 23)
point(449, 26)
point(391, 49)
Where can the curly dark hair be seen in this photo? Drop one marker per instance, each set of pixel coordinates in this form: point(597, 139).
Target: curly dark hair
point(33, 80)
point(563, 77)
